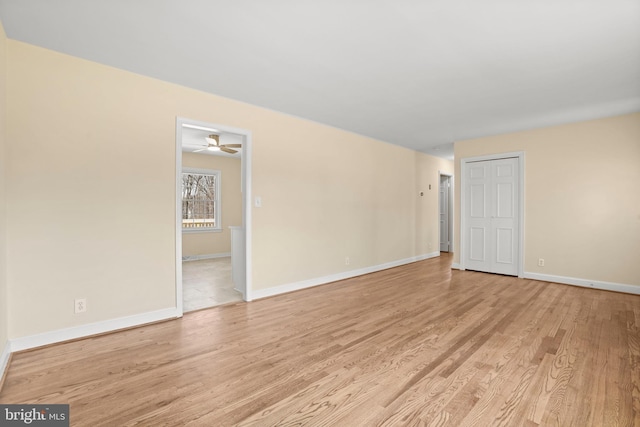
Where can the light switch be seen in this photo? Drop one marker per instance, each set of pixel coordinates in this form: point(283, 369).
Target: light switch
point(258, 202)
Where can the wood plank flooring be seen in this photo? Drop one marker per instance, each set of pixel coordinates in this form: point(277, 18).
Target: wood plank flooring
point(410, 346)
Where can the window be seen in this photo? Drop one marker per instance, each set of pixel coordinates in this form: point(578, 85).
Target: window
point(201, 200)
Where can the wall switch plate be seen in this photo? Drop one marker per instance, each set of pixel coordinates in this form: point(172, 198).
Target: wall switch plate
point(258, 202)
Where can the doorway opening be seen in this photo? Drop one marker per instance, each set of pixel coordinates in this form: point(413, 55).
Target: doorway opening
point(445, 212)
point(213, 219)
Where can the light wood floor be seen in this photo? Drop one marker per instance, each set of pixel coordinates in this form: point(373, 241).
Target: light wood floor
point(413, 345)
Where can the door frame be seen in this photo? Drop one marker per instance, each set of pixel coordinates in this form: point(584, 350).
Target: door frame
point(464, 162)
point(245, 173)
point(450, 213)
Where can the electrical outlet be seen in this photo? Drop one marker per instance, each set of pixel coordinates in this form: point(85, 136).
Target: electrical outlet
point(541, 262)
point(80, 305)
point(347, 261)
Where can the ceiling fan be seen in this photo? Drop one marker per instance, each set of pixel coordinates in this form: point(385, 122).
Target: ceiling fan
point(213, 142)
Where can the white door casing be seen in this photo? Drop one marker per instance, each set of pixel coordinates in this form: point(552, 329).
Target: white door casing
point(245, 173)
point(491, 215)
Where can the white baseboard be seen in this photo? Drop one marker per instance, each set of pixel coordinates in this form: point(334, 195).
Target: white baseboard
point(586, 283)
point(206, 256)
point(75, 332)
point(263, 293)
point(594, 284)
point(4, 360)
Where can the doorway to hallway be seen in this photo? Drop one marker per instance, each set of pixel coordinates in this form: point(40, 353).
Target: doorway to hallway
point(445, 211)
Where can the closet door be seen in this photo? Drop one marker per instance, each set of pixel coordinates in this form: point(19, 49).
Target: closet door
point(491, 211)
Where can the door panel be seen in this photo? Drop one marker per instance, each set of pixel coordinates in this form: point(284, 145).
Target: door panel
point(505, 222)
point(477, 172)
point(492, 216)
point(477, 246)
point(503, 170)
point(478, 207)
point(504, 243)
point(504, 200)
point(479, 219)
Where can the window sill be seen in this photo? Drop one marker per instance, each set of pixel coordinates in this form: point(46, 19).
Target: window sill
point(201, 230)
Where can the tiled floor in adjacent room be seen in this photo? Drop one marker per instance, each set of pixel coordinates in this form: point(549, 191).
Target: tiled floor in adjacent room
point(207, 283)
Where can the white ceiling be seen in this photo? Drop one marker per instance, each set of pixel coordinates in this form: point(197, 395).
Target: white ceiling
point(194, 138)
point(415, 73)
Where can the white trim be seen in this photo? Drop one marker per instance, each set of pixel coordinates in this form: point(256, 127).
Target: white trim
point(247, 207)
point(520, 155)
point(594, 284)
point(201, 230)
point(4, 360)
point(245, 176)
point(205, 256)
point(178, 213)
point(269, 292)
point(201, 171)
point(90, 329)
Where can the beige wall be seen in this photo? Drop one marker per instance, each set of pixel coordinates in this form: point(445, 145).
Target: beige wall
point(213, 243)
point(94, 146)
point(582, 197)
point(3, 167)
point(428, 169)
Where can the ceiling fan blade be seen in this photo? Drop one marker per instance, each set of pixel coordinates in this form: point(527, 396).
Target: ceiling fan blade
point(197, 151)
point(232, 145)
point(227, 150)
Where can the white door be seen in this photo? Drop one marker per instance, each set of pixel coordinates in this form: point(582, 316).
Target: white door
point(491, 199)
point(445, 239)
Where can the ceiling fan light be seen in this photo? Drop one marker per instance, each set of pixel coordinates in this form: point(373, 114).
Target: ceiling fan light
point(212, 139)
point(213, 148)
